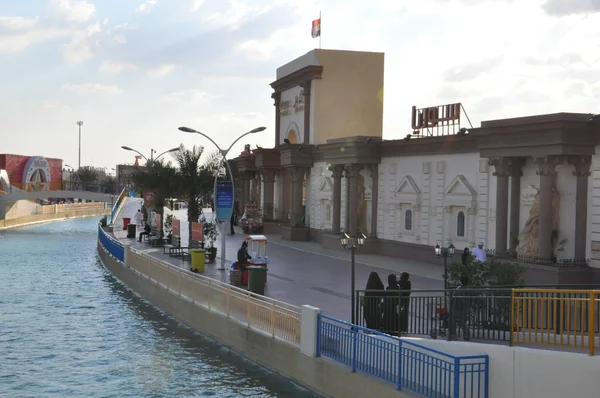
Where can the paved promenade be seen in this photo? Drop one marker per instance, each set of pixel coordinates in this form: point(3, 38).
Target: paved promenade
point(305, 273)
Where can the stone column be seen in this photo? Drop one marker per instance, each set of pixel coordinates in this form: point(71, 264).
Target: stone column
point(306, 90)
point(297, 174)
point(353, 172)
point(374, 199)
point(582, 172)
point(547, 173)
point(245, 192)
point(336, 208)
point(502, 166)
point(516, 172)
point(269, 198)
point(277, 101)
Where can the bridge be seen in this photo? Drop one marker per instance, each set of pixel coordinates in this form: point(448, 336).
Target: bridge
point(39, 190)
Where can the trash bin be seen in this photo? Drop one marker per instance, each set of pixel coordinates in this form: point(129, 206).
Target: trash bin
point(131, 229)
point(257, 277)
point(197, 260)
point(235, 277)
point(126, 222)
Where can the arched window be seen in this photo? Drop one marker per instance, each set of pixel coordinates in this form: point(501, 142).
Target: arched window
point(460, 224)
point(408, 220)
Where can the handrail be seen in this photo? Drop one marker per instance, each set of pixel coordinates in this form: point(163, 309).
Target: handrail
point(218, 283)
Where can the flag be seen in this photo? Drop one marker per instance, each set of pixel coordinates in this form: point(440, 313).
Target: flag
point(316, 28)
point(137, 158)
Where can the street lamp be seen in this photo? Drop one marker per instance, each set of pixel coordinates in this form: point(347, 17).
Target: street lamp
point(223, 153)
point(445, 252)
point(353, 245)
point(152, 152)
point(79, 123)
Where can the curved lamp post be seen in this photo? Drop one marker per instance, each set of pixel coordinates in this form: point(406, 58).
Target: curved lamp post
point(152, 152)
point(445, 252)
point(223, 153)
point(353, 245)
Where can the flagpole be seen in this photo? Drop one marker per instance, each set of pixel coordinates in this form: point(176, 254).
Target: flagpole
point(320, 29)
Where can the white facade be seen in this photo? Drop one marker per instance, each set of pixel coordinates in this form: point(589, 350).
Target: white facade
point(431, 200)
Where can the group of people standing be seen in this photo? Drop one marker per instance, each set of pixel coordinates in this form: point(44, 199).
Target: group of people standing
point(386, 309)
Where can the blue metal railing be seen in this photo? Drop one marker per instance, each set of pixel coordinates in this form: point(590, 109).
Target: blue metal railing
point(409, 365)
point(113, 246)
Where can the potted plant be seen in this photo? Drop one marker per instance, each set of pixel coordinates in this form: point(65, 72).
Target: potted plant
point(209, 232)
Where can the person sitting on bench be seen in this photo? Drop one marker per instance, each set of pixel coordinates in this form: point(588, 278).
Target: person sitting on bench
point(146, 232)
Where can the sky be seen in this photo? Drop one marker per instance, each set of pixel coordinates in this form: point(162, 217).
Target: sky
point(135, 70)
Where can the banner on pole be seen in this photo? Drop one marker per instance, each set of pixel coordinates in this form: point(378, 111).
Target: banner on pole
point(176, 227)
point(224, 202)
point(197, 231)
point(158, 222)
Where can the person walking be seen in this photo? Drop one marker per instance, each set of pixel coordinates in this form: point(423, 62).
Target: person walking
point(391, 307)
point(461, 304)
point(405, 287)
point(372, 312)
point(138, 219)
point(466, 257)
point(479, 253)
point(231, 222)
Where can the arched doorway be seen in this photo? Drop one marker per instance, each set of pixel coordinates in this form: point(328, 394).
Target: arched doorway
point(292, 136)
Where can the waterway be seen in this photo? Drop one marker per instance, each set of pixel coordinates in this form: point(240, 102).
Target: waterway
point(68, 328)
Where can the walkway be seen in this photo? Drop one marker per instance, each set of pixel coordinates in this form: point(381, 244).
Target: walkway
point(304, 273)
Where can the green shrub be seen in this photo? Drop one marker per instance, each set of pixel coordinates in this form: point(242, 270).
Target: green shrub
point(493, 272)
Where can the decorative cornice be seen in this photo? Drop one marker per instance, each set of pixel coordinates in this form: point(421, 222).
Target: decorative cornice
point(295, 79)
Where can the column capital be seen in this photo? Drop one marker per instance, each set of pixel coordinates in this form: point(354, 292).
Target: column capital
point(276, 98)
point(337, 170)
point(297, 174)
point(352, 171)
point(515, 167)
point(374, 168)
point(268, 176)
point(582, 165)
point(547, 165)
point(306, 87)
point(502, 166)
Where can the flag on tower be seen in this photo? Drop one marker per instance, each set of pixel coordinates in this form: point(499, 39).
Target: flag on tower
point(316, 28)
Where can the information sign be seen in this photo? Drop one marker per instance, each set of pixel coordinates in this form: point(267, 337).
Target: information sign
point(224, 201)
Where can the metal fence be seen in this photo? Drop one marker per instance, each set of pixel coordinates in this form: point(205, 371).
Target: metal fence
point(558, 318)
point(410, 366)
point(275, 317)
point(482, 314)
point(111, 245)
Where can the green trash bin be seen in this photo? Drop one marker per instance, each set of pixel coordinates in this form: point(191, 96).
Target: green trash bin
point(197, 260)
point(257, 277)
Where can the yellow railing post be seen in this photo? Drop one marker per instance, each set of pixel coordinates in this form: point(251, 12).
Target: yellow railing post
point(227, 302)
point(592, 323)
point(273, 312)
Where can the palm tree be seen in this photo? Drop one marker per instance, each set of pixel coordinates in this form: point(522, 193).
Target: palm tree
point(195, 179)
point(161, 178)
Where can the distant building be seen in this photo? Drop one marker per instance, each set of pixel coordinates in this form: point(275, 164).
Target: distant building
point(31, 172)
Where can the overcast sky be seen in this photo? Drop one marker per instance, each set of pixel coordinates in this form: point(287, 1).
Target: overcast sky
point(135, 70)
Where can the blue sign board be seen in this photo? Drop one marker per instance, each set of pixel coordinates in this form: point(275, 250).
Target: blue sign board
point(224, 202)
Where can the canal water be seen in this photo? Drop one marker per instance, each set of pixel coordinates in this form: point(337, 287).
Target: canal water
point(68, 328)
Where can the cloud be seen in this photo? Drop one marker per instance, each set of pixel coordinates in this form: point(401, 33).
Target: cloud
point(570, 7)
point(471, 71)
point(93, 88)
point(186, 97)
point(162, 70)
point(80, 49)
point(557, 60)
point(146, 6)
point(196, 4)
point(113, 67)
point(18, 33)
point(73, 10)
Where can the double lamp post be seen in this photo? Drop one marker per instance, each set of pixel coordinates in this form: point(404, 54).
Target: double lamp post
point(223, 153)
point(445, 252)
point(353, 244)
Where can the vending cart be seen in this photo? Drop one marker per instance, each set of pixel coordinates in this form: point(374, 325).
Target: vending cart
point(257, 248)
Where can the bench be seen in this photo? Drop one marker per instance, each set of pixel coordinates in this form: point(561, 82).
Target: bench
point(153, 234)
point(175, 249)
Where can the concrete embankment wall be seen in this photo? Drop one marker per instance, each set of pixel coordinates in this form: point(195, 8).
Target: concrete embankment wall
point(316, 373)
point(25, 212)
